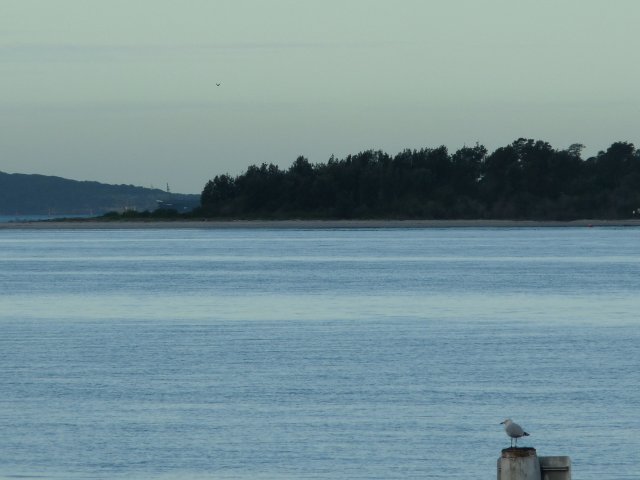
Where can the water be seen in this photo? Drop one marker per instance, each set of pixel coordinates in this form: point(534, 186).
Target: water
point(316, 354)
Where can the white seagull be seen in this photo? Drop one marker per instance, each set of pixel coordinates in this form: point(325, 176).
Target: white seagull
point(513, 430)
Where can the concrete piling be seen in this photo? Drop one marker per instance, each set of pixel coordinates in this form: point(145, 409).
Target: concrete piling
point(555, 468)
point(519, 464)
point(524, 464)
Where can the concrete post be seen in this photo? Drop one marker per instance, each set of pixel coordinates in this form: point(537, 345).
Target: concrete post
point(519, 464)
point(555, 468)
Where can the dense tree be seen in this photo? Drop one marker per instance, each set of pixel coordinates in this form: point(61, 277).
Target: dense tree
point(527, 179)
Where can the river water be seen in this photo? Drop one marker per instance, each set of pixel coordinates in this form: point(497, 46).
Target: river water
point(317, 354)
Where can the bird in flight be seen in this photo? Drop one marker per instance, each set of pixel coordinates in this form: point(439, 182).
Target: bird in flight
point(514, 430)
point(217, 84)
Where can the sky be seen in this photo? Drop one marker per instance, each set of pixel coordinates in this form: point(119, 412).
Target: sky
point(124, 91)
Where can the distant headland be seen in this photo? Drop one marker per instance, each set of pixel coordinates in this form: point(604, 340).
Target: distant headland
point(23, 195)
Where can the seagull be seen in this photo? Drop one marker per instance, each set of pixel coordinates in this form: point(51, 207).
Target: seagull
point(513, 430)
point(217, 84)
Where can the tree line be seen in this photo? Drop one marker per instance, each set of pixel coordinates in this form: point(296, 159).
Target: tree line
point(528, 179)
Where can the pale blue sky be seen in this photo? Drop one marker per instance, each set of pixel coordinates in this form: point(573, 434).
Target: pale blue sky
point(124, 91)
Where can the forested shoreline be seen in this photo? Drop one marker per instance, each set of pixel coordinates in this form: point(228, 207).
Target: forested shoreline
point(527, 180)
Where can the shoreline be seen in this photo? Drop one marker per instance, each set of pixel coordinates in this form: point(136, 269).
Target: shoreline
point(306, 224)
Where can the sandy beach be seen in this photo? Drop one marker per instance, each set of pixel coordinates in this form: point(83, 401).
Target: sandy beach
point(308, 224)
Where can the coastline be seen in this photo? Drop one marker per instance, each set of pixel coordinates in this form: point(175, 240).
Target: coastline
point(306, 224)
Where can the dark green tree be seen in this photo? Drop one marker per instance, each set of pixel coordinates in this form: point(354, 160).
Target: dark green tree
point(527, 179)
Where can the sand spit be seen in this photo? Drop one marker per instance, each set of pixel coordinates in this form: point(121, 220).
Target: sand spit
point(306, 224)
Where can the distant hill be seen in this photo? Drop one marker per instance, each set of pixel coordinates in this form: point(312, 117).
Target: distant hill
point(46, 195)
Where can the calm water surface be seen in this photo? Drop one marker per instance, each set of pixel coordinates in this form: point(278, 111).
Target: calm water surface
point(317, 354)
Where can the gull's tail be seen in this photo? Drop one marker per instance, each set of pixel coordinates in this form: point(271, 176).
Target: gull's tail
point(525, 434)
